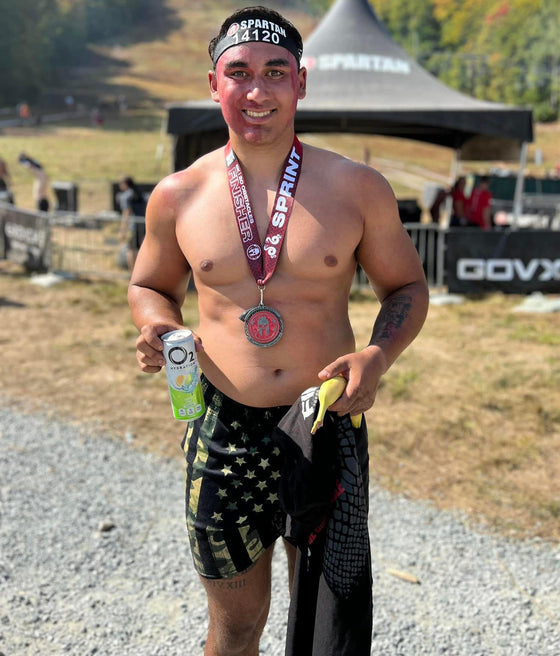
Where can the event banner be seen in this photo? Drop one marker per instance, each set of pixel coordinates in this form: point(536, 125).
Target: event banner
point(510, 261)
point(24, 238)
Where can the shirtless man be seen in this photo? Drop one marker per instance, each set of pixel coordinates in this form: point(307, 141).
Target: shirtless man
point(343, 214)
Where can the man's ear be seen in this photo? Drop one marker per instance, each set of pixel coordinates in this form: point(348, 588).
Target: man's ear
point(213, 82)
point(302, 89)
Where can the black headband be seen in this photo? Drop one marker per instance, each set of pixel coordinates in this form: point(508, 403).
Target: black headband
point(256, 28)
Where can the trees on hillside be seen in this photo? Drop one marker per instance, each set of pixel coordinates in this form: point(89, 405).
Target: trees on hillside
point(501, 50)
point(38, 36)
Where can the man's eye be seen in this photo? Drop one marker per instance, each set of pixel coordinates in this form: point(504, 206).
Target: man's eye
point(240, 74)
point(275, 73)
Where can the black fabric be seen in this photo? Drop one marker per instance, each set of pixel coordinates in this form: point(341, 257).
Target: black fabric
point(324, 491)
point(309, 468)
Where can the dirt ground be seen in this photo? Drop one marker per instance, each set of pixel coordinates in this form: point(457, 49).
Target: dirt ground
point(469, 417)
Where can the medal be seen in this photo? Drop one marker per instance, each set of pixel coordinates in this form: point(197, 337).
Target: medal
point(263, 324)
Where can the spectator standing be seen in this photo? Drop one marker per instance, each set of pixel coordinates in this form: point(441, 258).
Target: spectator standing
point(479, 211)
point(5, 181)
point(459, 206)
point(133, 205)
point(41, 185)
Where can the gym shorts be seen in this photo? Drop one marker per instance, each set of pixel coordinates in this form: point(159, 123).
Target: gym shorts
point(233, 512)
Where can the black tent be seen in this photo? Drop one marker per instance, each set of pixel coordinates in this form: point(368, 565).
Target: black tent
point(361, 81)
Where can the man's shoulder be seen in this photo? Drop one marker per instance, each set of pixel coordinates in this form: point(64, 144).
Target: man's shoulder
point(339, 169)
point(177, 190)
point(192, 178)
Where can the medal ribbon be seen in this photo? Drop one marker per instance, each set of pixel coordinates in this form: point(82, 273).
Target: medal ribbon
point(263, 260)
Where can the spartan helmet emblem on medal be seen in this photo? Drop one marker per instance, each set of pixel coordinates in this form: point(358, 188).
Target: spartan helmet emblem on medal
point(263, 326)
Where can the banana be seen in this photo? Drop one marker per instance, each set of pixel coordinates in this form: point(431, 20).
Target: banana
point(329, 392)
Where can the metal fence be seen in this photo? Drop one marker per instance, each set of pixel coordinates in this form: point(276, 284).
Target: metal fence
point(90, 246)
point(429, 240)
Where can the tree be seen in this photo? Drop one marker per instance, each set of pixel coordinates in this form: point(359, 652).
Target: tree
point(412, 24)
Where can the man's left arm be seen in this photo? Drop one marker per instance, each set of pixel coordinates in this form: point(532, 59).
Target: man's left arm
point(390, 260)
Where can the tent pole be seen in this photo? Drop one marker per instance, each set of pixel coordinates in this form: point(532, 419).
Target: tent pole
point(518, 195)
point(456, 165)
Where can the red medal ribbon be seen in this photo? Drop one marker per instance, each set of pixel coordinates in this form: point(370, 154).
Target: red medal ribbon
point(263, 260)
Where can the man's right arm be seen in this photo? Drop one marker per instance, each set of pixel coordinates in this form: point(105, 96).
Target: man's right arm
point(159, 280)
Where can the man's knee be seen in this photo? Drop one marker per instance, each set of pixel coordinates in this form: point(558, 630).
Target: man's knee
point(238, 609)
point(237, 633)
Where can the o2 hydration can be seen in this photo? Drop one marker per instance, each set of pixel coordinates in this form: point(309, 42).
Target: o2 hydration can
point(183, 374)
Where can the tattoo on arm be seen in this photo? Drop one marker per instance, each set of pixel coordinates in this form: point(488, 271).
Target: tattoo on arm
point(391, 317)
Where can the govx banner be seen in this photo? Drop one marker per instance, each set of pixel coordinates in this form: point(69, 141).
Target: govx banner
point(513, 262)
point(24, 238)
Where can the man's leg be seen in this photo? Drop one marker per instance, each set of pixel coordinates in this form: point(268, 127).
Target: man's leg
point(238, 609)
point(291, 553)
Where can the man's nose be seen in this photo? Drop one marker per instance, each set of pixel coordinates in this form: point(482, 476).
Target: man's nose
point(257, 90)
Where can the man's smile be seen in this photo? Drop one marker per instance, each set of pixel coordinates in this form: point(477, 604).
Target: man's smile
point(253, 114)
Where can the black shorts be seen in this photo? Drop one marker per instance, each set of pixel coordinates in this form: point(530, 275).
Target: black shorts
point(233, 469)
point(137, 234)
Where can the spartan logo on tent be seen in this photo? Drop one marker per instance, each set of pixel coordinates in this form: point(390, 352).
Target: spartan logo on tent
point(357, 62)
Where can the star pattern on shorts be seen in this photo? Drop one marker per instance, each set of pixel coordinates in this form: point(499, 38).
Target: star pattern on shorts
point(246, 473)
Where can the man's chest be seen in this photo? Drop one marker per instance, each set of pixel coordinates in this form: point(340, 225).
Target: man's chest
point(314, 240)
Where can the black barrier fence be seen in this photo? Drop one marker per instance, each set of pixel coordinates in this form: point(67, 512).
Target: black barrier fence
point(509, 261)
point(25, 238)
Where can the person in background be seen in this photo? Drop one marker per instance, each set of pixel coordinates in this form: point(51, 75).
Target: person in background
point(41, 185)
point(479, 206)
point(133, 205)
point(459, 204)
point(5, 182)
point(435, 207)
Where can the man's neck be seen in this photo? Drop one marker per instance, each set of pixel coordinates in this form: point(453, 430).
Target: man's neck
point(262, 162)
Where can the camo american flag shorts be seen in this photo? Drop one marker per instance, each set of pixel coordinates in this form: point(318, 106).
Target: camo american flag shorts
point(233, 513)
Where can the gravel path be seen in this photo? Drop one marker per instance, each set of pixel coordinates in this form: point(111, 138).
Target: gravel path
point(94, 560)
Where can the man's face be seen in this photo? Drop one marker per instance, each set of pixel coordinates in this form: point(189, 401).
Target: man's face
point(258, 86)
